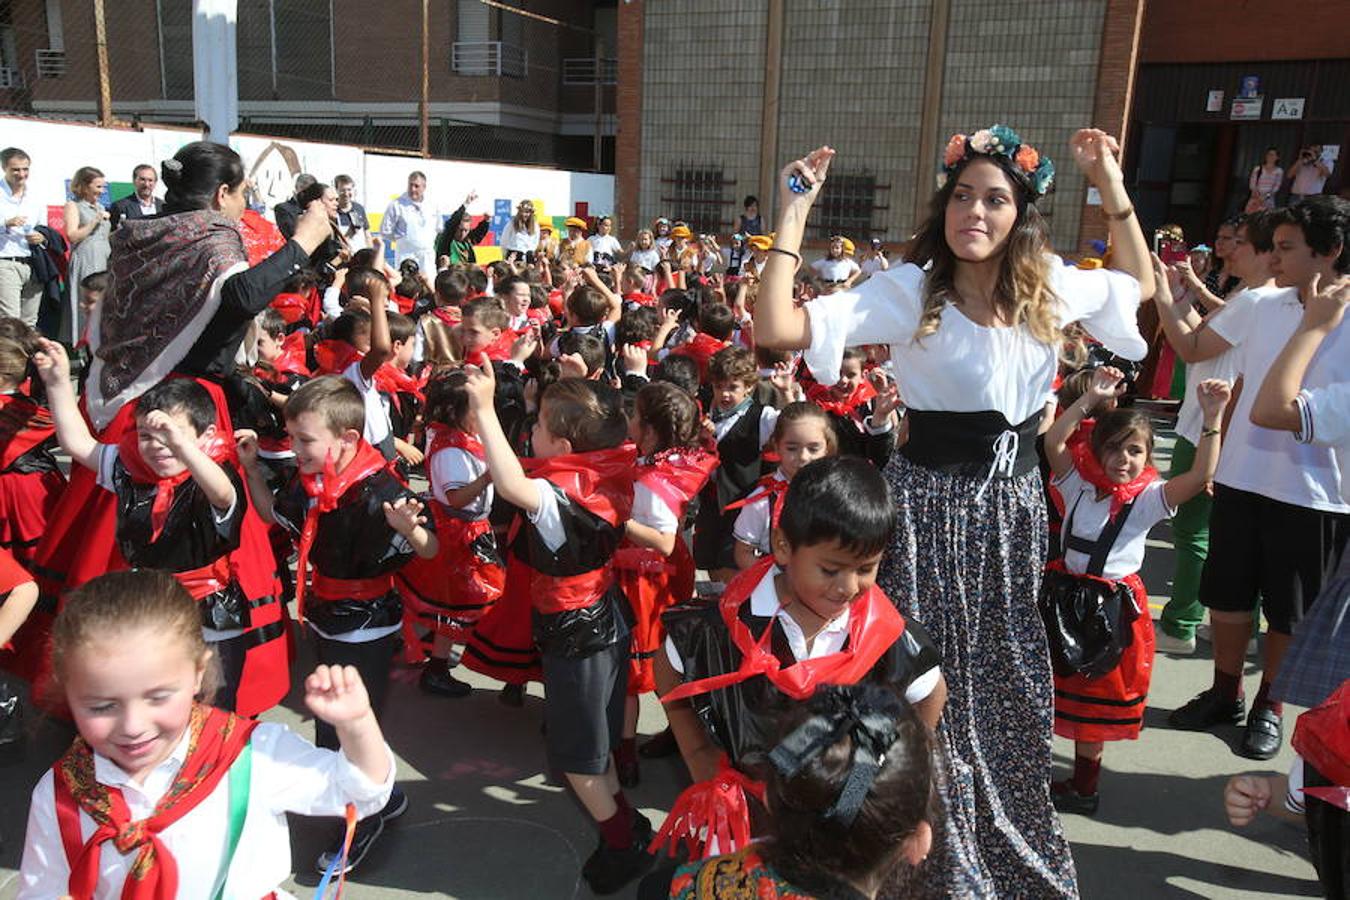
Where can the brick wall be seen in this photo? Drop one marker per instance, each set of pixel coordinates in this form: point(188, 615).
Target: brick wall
point(1115, 89)
point(1244, 31)
point(628, 142)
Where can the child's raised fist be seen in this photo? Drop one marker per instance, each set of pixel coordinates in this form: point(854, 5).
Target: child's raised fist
point(337, 695)
point(1244, 797)
point(480, 384)
point(1213, 395)
point(160, 426)
point(246, 446)
point(52, 364)
point(1107, 383)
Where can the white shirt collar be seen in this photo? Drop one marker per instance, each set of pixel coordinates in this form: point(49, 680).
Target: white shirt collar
point(156, 782)
point(764, 603)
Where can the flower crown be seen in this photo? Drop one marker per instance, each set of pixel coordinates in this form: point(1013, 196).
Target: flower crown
point(1002, 141)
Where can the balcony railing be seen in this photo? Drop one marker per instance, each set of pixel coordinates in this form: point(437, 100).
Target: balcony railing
point(584, 69)
point(488, 58)
point(11, 77)
point(51, 63)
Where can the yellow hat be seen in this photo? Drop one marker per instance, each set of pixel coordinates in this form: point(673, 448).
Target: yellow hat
point(760, 242)
point(545, 226)
point(681, 231)
point(848, 247)
point(574, 222)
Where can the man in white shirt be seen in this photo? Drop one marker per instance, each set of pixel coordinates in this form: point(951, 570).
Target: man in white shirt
point(414, 222)
point(1280, 521)
point(1309, 174)
point(20, 214)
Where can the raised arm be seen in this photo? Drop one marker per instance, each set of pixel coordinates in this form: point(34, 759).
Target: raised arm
point(508, 477)
point(1213, 395)
point(1096, 154)
point(71, 430)
point(1276, 405)
point(205, 471)
point(1184, 328)
point(779, 323)
point(1106, 383)
point(381, 347)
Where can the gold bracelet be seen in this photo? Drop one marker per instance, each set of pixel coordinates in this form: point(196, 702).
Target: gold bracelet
point(1120, 216)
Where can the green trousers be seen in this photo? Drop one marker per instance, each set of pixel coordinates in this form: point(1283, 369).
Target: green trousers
point(1190, 536)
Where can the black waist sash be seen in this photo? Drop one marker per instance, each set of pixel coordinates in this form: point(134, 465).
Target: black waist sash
point(968, 443)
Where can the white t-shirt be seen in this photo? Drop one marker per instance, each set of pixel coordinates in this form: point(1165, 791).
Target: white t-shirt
point(754, 522)
point(513, 240)
point(651, 510)
point(1090, 516)
point(649, 259)
point(377, 417)
point(965, 367)
point(1231, 322)
point(451, 469)
point(606, 245)
point(288, 775)
point(829, 270)
point(872, 265)
point(1267, 462)
point(1326, 423)
point(830, 639)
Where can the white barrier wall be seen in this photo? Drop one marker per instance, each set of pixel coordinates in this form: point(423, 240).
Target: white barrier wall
point(59, 148)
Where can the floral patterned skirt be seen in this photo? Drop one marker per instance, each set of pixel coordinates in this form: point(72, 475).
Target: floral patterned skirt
point(970, 570)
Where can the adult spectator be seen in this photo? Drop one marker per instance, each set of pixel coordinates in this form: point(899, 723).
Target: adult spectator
point(1264, 182)
point(351, 216)
point(1279, 521)
point(751, 221)
point(457, 240)
point(20, 213)
point(288, 211)
point(142, 202)
point(87, 226)
point(975, 324)
point(414, 222)
point(1309, 173)
point(334, 251)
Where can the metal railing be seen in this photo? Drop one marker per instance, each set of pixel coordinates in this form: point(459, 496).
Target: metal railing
point(584, 69)
point(10, 77)
point(488, 58)
point(51, 63)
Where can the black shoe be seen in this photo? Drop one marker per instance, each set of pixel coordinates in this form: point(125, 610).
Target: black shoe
point(1206, 710)
point(1264, 735)
point(397, 805)
point(659, 745)
point(368, 831)
point(607, 870)
point(512, 695)
point(438, 680)
point(1068, 800)
point(628, 773)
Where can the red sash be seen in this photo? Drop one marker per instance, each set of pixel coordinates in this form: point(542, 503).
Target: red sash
point(219, 449)
point(826, 399)
point(500, 349)
point(261, 237)
point(334, 356)
point(874, 625)
point(23, 426)
point(293, 307)
point(1322, 738)
point(326, 491)
point(209, 579)
point(1090, 470)
point(771, 488)
point(215, 740)
point(442, 438)
point(449, 315)
point(701, 348)
point(405, 304)
point(389, 379)
point(291, 361)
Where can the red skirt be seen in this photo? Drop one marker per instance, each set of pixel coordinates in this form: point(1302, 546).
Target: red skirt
point(1110, 708)
point(501, 645)
point(652, 583)
point(27, 501)
point(448, 594)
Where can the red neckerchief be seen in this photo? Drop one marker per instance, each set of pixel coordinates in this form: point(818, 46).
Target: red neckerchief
point(600, 481)
point(1322, 738)
point(640, 298)
point(1090, 470)
point(327, 490)
point(24, 425)
point(290, 361)
point(826, 399)
point(261, 237)
point(770, 488)
point(405, 304)
point(292, 307)
point(449, 315)
point(390, 379)
point(701, 348)
point(874, 625)
point(441, 438)
point(677, 474)
point(334, 356)
point(215, 740)
point(539, 314)
point(129, 452)
point(500, 349)
point(556, 301)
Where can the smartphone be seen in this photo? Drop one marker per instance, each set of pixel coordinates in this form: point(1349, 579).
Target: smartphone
point(1172, 252)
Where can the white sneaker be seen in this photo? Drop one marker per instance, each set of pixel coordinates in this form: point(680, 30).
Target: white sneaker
point(1176, 646)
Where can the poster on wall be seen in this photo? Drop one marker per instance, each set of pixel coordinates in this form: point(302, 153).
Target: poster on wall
point(271, 165)
point(1250, 87)
point(1249, 108)
point(1214, 101)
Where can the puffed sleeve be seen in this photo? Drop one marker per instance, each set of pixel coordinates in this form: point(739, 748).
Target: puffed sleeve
point(1105, 302)
point(884, 309)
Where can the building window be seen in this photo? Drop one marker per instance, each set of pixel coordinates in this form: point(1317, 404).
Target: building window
point(175, 48)
point(846, 205)
point(697, 195)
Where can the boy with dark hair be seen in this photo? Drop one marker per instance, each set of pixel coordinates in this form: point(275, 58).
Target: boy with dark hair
point(401, 392)
point(732, 668)
point(180, 508)
point(356, 523)
point(581, 355)
point(862, 408)
point(575, 503)
point(716, 325)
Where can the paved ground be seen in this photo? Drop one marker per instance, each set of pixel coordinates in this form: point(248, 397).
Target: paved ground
point(487, 823)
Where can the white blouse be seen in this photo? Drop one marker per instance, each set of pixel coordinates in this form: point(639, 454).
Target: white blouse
point(965, 367)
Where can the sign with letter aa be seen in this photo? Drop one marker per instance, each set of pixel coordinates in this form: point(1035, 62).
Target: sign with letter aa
point(1288, 108)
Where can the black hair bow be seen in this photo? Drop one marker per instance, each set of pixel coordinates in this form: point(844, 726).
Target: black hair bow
point(839, 712)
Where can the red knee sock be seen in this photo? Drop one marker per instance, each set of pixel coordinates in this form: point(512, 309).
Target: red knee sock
point(1263, 699)
point(1086, 773)
point(617, 830)
point(1228, 687)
